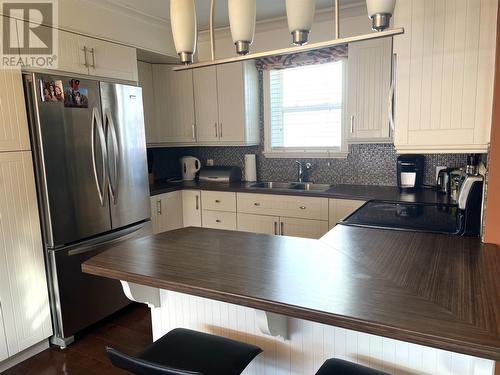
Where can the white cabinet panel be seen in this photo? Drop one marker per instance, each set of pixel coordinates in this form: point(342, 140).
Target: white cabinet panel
point(13, 121)
point(219, 220)
point(219, 201)
point(205, 97)
point(258, 224)
point(174, 101)
point(283, 205)
point(340, 208)
point(166, 211)
point(72, 57)
point(3, 339)
point(23, 286)
point(369, 84)
point(145, 77)
point(191, 208)
point(293, 227)
point(444, 75)
point(111, 60)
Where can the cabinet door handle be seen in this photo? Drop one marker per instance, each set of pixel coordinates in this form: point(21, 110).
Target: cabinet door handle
point(275, 228)
point(92, 51)
point(197, 203)
point(282, 232)
point(352, 124)
point(302, 207)
point(86, 62)
point(158, 207)
point(194, 133)
point(220, 132)
point(217, 201)
point(256, 204)
point(216, 131)
point(217, 221)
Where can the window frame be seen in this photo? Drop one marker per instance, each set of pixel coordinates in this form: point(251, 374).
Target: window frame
point(304, 152)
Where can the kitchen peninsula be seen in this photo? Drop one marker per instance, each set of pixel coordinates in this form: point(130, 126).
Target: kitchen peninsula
point(404, 302)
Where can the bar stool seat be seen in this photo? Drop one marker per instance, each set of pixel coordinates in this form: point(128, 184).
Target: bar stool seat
point(186, 352)
point(340, 367)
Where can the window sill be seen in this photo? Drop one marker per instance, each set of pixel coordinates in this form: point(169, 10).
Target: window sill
point(305, 155)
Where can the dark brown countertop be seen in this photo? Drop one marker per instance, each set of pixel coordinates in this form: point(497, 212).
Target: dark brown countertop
point(435, 290)
point(359, 192)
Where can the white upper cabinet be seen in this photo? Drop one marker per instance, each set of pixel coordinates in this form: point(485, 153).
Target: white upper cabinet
point(227, 105)
point(72, 57)
point(369, 87)
point(207, 112)
point(3, 339)
point(174, 102)
point(444, 74)
point(145, 77)
point(13, 121)
point(23, 284)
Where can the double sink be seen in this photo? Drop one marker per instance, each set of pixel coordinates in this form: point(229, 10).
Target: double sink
point(300, 186)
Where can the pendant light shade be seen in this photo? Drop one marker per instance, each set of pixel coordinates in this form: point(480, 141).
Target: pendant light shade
point(380, 12)
point(300, 15)
point(183, 19)
point(242, 23)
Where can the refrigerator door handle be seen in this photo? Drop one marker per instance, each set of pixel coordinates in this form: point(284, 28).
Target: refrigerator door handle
point(113, 186)
point(97, 124)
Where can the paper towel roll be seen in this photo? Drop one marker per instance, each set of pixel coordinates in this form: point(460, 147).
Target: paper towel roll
point(250, 168)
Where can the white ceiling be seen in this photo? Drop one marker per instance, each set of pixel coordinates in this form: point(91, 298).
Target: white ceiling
point(266, 9)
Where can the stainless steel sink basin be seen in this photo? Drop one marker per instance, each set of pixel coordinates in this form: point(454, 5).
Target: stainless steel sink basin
point(304, 186)
point(311, 187)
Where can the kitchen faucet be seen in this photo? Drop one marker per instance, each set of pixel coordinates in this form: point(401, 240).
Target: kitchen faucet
point(302, 169)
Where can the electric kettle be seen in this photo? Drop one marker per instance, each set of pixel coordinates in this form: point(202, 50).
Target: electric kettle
point(190, 166)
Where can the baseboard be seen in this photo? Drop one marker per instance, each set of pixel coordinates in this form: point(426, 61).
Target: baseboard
point(24, 355)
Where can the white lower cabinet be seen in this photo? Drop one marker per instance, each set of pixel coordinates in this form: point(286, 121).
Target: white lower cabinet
point(3, 340)
point(191, 208)
point(258, 224)
point(284, 226)
point(23, 283)
point(340, 208)
point(219, 220)
point(166, 211)
point(304, 228)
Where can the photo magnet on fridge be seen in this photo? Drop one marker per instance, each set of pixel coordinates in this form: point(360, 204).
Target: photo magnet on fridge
point(76, 96)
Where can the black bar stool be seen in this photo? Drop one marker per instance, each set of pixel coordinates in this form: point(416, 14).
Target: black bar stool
point(340, 367)
point(186, 352)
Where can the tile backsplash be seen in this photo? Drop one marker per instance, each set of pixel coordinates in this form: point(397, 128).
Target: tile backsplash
point(367, 164)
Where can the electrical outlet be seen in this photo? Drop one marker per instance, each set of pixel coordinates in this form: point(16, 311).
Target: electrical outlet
point(210, 162)
point(439, 168)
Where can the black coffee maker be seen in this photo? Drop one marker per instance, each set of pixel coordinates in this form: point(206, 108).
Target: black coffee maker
point(410, 172)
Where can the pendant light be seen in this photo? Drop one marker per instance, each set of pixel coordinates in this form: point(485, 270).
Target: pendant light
point(242, 15)
point(183, 19)
point(300, 15)
point(380, 12)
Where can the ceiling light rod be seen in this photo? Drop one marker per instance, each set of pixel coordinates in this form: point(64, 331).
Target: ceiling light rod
point(212, 33)
point(290, 50)
point(337, 20)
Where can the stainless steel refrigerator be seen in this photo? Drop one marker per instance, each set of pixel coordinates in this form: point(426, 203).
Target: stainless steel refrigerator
point(91, 170)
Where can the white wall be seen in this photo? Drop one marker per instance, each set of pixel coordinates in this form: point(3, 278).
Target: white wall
point(273, 34)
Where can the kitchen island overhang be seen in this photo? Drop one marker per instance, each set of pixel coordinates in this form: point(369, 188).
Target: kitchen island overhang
point(434, 290)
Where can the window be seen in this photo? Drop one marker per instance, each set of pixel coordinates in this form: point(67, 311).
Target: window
point(304, 111)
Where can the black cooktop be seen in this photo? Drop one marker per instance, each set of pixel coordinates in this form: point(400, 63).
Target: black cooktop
point(432, 218)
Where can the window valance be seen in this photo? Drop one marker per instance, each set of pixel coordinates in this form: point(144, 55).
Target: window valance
point(320, 56)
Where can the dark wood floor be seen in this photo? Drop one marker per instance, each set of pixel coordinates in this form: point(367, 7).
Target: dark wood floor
point(128, 331)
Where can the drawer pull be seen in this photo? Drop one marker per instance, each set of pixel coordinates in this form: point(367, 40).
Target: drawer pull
point(217, 201)
point(276, 228)
point(302, 207)
point(217, 221)
point(256, 204)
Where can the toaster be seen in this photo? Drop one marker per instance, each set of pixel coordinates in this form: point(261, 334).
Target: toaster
point(220, 174)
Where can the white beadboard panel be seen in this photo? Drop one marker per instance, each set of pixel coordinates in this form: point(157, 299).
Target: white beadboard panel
point(13, 121)
point(23, 286)
point(445, 74)
point(309, 343)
